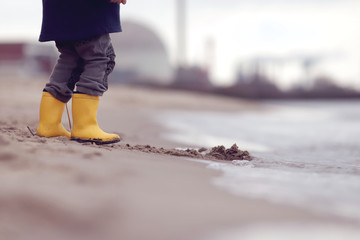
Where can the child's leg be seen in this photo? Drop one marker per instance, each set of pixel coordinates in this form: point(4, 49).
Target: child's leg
point(99, 61)
point(58, 91)
point(66, 72)
point(98, 56)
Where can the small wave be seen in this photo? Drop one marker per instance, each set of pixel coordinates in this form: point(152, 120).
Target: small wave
point(290, 230)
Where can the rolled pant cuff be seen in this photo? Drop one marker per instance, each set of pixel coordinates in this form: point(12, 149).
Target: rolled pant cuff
point(58, 96)
point(89, 91)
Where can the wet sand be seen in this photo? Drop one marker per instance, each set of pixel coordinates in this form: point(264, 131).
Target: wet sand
point(60, 189)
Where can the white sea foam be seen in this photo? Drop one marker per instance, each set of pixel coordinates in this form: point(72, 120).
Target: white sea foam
point(332, 194)
point(206, 140)
point(306, 154)
point(289, 230)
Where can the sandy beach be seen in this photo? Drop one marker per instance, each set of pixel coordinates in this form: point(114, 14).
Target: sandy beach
point(60, 189)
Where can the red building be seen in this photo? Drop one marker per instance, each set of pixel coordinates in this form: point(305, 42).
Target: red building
point(26, 58)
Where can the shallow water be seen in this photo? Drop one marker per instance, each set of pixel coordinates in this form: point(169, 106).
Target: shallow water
point(289, 230)
point(306, 153)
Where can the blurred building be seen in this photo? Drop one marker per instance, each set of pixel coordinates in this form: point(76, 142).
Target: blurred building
point(192, 78)
point(141, 56)
point(26, 58)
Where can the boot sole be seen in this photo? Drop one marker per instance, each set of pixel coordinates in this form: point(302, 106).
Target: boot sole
point(96, 141)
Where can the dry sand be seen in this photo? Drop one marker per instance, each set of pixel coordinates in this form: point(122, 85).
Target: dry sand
point(59, 189)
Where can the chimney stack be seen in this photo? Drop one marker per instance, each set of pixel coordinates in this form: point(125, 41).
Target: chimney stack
point(181, 33)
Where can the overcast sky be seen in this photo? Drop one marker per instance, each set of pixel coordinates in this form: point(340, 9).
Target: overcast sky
point(240, 29)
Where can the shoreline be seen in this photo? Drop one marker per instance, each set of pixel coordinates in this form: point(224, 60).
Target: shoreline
point(61, 189)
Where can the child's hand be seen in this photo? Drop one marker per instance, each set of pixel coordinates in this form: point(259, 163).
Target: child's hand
point(118, 1)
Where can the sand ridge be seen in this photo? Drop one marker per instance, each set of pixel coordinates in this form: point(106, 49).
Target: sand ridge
point(215, 153)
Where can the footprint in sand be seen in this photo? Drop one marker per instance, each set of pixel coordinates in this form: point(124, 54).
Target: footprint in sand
point(7, 156)
point(3, 141)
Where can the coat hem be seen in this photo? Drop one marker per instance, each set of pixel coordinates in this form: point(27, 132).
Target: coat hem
point(48, 38)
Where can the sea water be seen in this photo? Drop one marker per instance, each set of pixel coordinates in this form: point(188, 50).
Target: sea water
point(306, 154)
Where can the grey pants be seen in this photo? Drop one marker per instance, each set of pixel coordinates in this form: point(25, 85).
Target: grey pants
point(84, 64)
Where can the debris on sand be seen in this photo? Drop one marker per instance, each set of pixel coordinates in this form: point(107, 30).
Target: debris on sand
point(215, 153)
point(233, 153)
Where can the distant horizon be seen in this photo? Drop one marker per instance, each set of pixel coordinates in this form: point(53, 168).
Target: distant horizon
point(240, 31)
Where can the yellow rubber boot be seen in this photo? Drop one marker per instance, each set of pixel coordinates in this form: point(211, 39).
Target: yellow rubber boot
point(51, 111)
point(86, 128)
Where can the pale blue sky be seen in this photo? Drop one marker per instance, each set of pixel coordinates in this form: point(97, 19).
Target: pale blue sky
point(241, 29)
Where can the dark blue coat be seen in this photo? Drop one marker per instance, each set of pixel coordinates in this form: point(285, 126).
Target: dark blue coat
point(78, 19)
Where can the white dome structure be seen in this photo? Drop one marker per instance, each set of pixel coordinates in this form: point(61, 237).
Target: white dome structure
point(140, 55)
